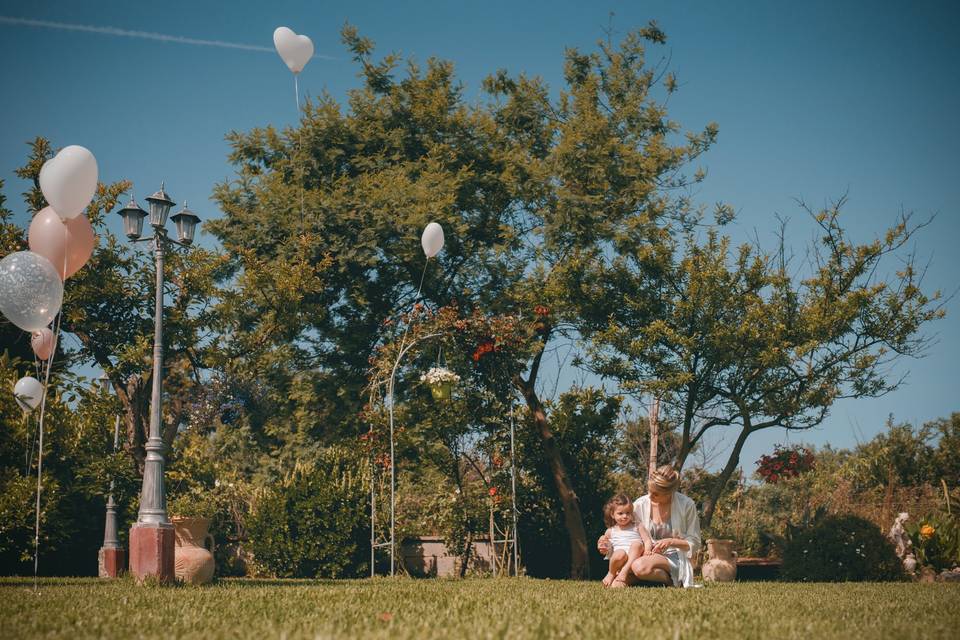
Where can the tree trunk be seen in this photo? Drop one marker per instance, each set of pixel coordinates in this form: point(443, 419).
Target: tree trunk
point(686, 446)
point(654, 435)
point(573, 519)
point(465, 558)
point(134, 397)
point(711, 504)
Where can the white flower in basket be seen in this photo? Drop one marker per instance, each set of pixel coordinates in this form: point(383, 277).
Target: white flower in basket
point(441, 381)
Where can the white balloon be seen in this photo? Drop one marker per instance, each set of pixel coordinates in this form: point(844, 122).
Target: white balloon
point(27, 392)
point(31, 290)
point(432, 239)
point(69, 180)
point(295, 50)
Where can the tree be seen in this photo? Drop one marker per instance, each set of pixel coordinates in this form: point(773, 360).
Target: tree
point(77, 470)
point(530, 189)
point(740, 342)
point(108, 307)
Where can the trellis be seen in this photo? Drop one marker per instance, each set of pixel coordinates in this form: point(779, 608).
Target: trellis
point(503, 534)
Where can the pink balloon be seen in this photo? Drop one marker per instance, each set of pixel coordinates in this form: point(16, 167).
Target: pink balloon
point(52, 237)
point(43, 343)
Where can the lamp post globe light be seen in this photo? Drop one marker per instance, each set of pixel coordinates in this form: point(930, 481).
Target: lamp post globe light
point(112, 560)
point(152, 537)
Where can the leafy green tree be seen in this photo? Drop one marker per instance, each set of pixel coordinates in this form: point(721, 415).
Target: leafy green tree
point(77, 469)
point(531, 189)
point(737, 341)
point(108, 307)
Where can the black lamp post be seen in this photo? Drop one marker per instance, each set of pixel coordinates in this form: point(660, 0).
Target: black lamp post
point(151, 538)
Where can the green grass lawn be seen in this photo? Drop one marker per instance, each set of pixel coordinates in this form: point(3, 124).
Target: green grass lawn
point(476, 608)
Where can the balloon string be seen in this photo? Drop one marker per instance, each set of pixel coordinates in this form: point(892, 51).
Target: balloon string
point(43, 411)
point(406, 329)
point(296, 89)
point(33, 443)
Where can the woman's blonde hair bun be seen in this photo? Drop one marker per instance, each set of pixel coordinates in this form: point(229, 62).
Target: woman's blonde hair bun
point(665, 478)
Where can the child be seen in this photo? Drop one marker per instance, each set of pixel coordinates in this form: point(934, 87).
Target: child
point(628, 538)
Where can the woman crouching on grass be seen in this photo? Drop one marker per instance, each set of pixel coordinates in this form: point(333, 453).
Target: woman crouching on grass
point(673, 523)
point(627, 538)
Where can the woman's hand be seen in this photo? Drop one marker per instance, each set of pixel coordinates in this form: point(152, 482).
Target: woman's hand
point(662, 545)
point(603, 545)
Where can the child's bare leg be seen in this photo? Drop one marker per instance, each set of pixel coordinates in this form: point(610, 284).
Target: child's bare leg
point(636, 550)
point(617, 562)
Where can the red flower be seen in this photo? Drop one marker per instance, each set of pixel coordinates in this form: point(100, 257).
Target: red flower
point(484, 348)
point(492, 491)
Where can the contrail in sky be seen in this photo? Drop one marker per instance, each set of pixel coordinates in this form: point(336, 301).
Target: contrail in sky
point(144, 35)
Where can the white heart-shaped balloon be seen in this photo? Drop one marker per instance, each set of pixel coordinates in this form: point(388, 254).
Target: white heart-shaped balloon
point(432, 239)
point(69, 180)
point(295, 50)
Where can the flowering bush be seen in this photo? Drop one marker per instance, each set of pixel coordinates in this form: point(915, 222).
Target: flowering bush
point(439, 375)
point(785, 463)
point(936, 541)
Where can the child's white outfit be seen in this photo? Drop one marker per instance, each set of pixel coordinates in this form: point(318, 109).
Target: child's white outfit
point(621, 539)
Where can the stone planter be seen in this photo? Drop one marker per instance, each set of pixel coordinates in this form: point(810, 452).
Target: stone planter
point(193, 563)
point(722, 565)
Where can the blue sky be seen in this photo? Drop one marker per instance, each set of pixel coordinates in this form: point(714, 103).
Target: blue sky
point(813, 99)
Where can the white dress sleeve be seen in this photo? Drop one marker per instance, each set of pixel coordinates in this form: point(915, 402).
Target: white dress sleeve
point(691, 526)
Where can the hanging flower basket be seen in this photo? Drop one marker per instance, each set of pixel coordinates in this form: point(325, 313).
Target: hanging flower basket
point(441, 381)
point(441, 390)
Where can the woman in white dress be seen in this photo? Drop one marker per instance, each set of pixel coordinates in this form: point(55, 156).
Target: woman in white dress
point(673, 523)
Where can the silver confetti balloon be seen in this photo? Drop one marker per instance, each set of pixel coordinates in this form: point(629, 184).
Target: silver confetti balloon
point(31, 290)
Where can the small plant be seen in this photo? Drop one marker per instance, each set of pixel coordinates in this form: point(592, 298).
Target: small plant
point(840, 549)
point(786, 462)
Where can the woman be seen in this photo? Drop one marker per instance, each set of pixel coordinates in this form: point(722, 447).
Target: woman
point(672, 520)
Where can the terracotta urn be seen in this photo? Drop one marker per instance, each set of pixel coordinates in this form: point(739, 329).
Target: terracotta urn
point(722, 565)
point(193, 562)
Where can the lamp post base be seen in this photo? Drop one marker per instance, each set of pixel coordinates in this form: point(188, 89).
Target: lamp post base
point(112, 562)
point(151, 552)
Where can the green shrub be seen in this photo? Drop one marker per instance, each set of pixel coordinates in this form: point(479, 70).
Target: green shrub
point(315, 523)
point(840, 549)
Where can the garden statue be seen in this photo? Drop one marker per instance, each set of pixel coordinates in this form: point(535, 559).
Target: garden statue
point(899, 537)
point(722, 565)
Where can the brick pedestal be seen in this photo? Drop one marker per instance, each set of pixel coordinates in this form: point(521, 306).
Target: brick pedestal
point(112, 562)
point(151, 552)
